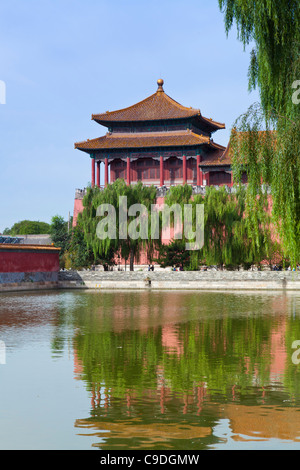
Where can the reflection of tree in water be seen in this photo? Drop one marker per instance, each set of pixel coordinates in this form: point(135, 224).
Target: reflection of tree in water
point(161, 366)
point(129, 343)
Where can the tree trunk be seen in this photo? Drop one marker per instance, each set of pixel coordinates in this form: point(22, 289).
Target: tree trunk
point(131, 259)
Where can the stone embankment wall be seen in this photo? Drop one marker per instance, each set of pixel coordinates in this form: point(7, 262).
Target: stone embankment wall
point(208, 280)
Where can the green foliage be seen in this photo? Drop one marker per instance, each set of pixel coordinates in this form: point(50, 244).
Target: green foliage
point(174, 254)
point(79, 255)
point(227, 240)
point(127, 247)
point(179, 195)
point(28, 227)
point(75, 253)
point(274, 157)
point(60, 235)
point(274, 27)
point(228, 228)
point(228, 237)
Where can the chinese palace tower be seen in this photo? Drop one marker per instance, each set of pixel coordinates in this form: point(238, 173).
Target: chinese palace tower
point(159, 142)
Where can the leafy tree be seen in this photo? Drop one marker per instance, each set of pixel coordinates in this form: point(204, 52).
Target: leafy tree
point(174, 254)
point(274, 27)
point(28, 227)
point(266, 139)
point(180, 194)
point(60, 235)
point(78, 253)
point(228, 239)
point(125, 245)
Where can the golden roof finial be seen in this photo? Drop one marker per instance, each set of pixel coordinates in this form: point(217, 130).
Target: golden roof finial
point(160, 83)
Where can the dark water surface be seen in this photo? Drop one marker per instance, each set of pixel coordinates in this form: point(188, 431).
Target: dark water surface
point(149, 370)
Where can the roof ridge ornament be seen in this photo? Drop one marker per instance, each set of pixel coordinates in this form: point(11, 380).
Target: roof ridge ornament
point(160, 83)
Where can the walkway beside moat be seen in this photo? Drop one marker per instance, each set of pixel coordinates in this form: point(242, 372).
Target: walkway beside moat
point(196, 280)
point(160, 279)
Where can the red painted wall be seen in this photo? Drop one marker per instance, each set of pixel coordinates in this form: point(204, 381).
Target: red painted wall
point(29, 260)
point(78, 207)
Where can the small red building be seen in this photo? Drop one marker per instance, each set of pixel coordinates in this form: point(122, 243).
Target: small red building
point(159, 142)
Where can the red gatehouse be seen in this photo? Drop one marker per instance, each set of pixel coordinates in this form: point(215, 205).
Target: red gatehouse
point(159, 142)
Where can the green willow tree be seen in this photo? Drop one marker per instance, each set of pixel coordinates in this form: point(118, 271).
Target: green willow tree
point(266, 140)
point(138, 224)
point(176, 254)
point(79, 255)
point(179, 195)
point(227, 231)
point(227, 240)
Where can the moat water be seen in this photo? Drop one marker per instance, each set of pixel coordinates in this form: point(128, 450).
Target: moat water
point(151, 370)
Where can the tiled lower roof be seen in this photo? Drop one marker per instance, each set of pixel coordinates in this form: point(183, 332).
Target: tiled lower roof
point(146, 140)
point(217, 158)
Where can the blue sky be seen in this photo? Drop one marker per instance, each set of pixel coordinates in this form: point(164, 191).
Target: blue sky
point(62, 60)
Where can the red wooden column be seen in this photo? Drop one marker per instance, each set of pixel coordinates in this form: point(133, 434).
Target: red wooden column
point(93, 171)
point(201, 177)
point(199, 182)
point(106, 172)
point(161, 171)
point(98, 174)
point(184, 169)
point(207, 178)
point(128, 171)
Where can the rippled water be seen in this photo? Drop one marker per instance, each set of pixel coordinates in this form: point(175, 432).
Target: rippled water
point(149, 370)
